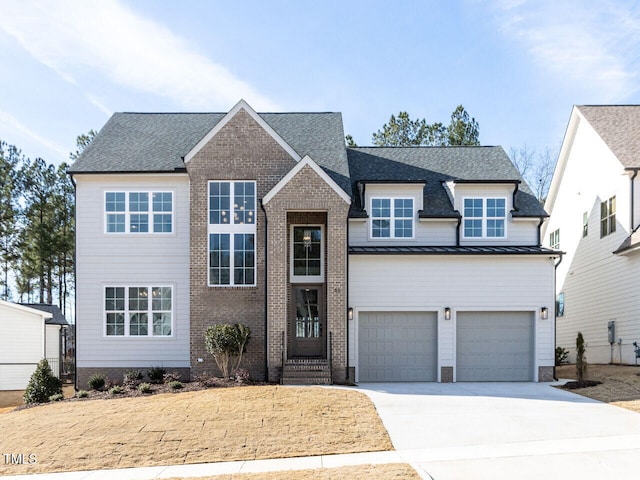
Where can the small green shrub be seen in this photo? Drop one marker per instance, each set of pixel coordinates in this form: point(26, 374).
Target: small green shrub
point(145, 388)
point(116, 390)
point(175, 385)
point(82, 394)
point(225, 342)
point(56, 398)
point(42, 384)
point(561, 355)
point(132, 378)
point(156, 374)
point(97, 381)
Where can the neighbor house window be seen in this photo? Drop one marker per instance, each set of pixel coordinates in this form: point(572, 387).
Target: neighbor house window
point(484, 217)
point(232, 233)
point(554, 240)
point(392, 217)
point(307, 253)
point(138, 311)
point(560, 304)
point(608, 217)
point(139, 212)
point(585, 224)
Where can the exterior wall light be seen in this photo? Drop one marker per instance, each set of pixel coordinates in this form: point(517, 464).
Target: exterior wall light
point(350, 313)
point(447, 313)
point(544, 313)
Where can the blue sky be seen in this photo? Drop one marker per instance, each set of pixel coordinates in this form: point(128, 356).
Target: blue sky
point(517, 66)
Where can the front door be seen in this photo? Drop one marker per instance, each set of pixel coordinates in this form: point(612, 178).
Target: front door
point(308, 324)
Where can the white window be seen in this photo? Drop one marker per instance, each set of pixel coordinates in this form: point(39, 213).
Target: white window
point(138, 212)
point(307, 253)
point(232, 233)
point(138, 311)
point(484, 217)
point(554, 239)
point(391, 218)
point(608, 217)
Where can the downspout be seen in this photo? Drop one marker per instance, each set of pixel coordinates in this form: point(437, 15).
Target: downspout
point(458, 231)
point(266, 297)
point(515, 192)
point(555, 316)
point(75, 280)
point(346, 314)
point(539, 232)
point(633, 177)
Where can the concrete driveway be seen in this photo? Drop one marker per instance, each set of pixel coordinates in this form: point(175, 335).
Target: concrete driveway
point(507, 430)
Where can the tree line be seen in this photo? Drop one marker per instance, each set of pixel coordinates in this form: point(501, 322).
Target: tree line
point(37, 228)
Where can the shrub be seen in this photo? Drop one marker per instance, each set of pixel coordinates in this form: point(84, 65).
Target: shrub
point(561, 355)
point(97, 381)
point(145, 388)
point(42, 384)
point(82, 394)
point(56, 398)
point(225, 342)
point(205, 380)
point(156, 374)
point(116, 390)
point(581, 359)
point(175, 385)
point(132, 378)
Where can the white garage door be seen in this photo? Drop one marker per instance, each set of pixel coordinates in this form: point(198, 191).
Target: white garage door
point(494, 347)
point(397, 346)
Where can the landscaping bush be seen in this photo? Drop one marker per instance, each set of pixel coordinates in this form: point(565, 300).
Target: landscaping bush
point(145, 388)
point(242, 375)
point(132, 378)
point(42, 384)
point(56, 398)
point(156, 374)
point(205, 380)
point(225, 342)
point(97, 381)
point(175, 385)
point(581, 359)
point(82, 394)
point(171, 377)
point(561, 355)
point(116, 390)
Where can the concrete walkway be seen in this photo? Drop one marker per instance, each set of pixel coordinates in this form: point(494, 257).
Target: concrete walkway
point(463, 431)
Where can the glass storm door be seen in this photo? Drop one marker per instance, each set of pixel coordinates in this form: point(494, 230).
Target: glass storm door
point(308, 326)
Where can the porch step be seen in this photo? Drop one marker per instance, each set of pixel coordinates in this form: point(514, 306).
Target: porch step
point(306, 372)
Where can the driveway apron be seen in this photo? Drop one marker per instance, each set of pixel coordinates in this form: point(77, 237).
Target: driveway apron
point(506, 430)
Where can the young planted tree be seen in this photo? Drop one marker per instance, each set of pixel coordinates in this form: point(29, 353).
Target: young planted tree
point(581, 359)
point(226, 342)
point(42, 384)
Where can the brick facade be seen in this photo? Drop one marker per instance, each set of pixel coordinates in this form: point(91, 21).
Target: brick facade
point(241, 150)
point(307, 192)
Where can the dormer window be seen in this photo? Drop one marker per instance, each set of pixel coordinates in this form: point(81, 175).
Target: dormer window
point(391, 218)
point(485, 217)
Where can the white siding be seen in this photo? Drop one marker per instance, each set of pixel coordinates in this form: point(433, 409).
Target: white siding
point(463, 283)
point(130, 260)
point(597, 285)
point(431, 232)
point(21, 346)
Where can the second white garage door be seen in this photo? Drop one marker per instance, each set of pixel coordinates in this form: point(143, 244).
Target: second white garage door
point(397, 346)
point(494, 347)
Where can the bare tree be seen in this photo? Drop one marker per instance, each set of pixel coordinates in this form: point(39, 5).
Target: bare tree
point(535, 168)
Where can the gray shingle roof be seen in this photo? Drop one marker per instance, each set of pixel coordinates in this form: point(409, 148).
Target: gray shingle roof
point(435, 165)
point(157, 142)
point(619, 128)
point(58, 317)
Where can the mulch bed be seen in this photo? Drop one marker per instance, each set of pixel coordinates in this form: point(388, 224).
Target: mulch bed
point(584, 384)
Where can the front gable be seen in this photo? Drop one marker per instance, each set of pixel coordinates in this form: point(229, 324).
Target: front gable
point(244, 107)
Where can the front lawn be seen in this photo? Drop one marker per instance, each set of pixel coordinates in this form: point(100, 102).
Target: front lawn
point(242, 423)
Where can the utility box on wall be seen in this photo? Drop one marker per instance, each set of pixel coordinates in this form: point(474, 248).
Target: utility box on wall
point(611, 328)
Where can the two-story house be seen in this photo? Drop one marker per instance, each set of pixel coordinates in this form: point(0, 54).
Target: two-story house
point(594, 201)
point(350, 264)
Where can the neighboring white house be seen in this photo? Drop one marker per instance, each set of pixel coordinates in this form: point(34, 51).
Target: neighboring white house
point(594, 202)
point(29, 334)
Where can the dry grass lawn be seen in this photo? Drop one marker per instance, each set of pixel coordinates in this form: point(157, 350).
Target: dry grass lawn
point(620, 384)
point(361, 472)
point(242, 423)
point(10, 399)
